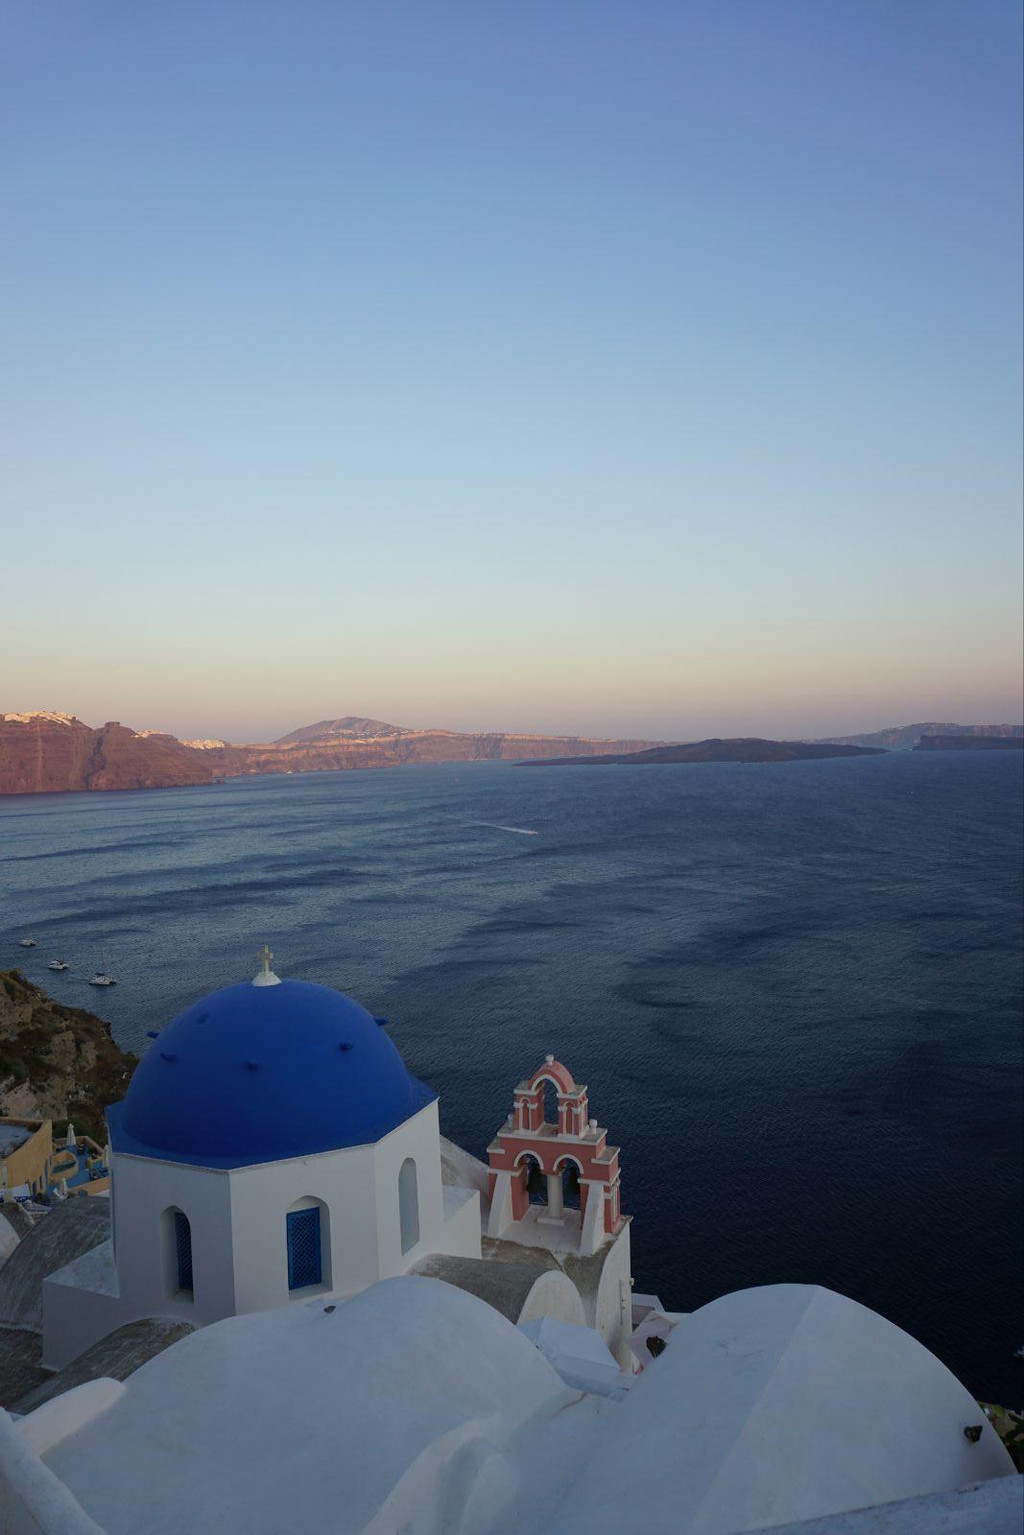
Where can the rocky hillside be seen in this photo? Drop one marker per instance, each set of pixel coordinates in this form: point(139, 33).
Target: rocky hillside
point(50, 753)
point(56, 1062)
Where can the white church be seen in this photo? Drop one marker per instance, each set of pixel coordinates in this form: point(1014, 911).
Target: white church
point(374, 1331)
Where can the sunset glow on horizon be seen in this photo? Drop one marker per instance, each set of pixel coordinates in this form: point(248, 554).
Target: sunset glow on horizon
point(624, 371)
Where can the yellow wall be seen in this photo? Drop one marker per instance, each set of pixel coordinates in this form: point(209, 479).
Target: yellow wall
point(30, 1162)
point(99, 1186)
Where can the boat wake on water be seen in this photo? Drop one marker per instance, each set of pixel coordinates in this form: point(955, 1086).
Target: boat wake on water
point(520, 831)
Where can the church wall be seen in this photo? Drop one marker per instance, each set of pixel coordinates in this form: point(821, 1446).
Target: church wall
point(79, 1310)
point(418, 1138)
point(260, 1200)
point(74, 1319)
point(462, 1228)
point(144, 1189)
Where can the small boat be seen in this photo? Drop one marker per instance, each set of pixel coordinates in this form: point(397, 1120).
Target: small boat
point(103, 976)
point(58, 964)
point(28, 943)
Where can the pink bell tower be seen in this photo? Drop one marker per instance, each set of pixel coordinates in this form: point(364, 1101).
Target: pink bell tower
point(575, 1140)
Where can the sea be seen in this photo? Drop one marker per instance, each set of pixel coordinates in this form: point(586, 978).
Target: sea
point(793, 989)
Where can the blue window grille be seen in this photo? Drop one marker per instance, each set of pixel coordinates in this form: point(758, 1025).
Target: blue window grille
point(183, 1250)
point(304, 1267)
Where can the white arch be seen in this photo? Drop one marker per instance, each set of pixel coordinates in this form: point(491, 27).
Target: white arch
point(540, 1088)
point(549, 1081)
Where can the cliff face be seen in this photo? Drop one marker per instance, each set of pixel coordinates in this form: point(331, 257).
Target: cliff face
point(49, 753)
point(985, 743)
point(52, 753)
point(57, 1062)
point(905, 737)
point(410, 746)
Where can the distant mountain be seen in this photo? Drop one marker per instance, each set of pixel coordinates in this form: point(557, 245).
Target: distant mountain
point(979, 743)
point(45, 752)
point(49, 752)
point(740, 749)
point(906, 737)
point(299, 753)
point(352, 728)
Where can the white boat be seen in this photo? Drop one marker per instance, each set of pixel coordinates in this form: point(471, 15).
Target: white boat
point(58, 964)
point(28, 943)
point(103, 976)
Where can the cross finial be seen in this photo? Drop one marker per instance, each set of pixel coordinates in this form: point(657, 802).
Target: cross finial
point(265, 975)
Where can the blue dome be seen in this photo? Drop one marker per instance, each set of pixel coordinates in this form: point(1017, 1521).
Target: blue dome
point(261, 1073)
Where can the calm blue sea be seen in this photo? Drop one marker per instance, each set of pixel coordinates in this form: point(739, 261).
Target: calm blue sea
point(793, 989)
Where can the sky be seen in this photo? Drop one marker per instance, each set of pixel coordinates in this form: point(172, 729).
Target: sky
point(564, 365)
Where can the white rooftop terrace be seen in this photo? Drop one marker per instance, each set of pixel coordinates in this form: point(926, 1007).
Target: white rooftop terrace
point(416, 1407)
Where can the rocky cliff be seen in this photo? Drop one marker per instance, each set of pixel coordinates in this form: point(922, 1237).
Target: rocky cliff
point(49, 753)
point(56, 1062)
point(984, 743)
point(392, 751)
point(906, 737)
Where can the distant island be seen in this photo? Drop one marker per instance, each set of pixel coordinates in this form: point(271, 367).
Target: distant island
point(906, 737)
point(970, 743)
point(47, 752)
point(739, 749)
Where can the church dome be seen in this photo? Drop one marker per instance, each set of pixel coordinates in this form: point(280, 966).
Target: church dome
point(263, 1071)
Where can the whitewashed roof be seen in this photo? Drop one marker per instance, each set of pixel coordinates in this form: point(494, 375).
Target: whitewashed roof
point(313, 1418)
point(775, 1405)
point(417, 1407)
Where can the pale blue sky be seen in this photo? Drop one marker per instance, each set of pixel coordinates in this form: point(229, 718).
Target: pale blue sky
point(556, 364)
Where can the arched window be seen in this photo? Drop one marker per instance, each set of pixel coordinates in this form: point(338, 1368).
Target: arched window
point(550, 1102)
point(408, 1205)
point(183, 1250)
point(177, 1247)
point(305, 1260)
